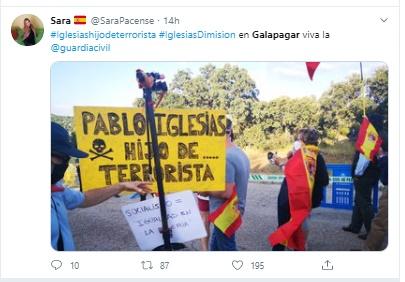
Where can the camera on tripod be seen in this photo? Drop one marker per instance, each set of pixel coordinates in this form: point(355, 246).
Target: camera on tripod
point(151, 81)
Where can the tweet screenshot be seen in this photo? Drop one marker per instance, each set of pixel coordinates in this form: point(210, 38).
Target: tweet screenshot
point(200, 140)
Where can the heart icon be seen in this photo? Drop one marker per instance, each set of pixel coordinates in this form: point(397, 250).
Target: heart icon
point(237, 264)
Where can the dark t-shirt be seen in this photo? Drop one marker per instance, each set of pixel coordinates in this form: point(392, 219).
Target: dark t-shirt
point(321, 180)
point(383, 165)
point(30, 40)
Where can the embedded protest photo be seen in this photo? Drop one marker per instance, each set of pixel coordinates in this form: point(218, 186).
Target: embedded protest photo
point(219, 156)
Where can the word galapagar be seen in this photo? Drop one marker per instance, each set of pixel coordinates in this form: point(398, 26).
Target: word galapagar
point(286, 35)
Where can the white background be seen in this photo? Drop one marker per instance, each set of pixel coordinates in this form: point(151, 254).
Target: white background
point(357, 34)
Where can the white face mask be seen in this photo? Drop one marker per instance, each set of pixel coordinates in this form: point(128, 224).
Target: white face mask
point(296, 146)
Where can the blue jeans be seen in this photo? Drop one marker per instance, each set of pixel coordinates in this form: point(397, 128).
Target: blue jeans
point(221, 242)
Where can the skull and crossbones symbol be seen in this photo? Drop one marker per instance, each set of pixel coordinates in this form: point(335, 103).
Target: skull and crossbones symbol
point(99, 146)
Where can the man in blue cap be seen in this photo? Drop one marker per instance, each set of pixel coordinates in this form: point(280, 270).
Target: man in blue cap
point(63, 199)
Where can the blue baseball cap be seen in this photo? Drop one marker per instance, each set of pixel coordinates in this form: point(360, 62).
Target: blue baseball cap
point(60, 142)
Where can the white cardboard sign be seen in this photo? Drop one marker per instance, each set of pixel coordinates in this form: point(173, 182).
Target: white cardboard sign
point(183, 218)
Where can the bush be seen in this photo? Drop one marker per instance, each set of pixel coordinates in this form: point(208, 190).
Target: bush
point(276, 141)
point(344, 131)
point(254, 137)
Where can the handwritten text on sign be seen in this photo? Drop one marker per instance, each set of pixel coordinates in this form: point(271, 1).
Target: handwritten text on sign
point(183, 218)
point(191, 147)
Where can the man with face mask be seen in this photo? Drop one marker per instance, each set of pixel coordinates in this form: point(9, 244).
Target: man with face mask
point(63, 198)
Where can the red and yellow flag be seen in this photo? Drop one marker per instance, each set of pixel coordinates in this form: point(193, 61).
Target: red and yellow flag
point(368, 142)
point(227, 217)
point(80, 19)
point(300, 175)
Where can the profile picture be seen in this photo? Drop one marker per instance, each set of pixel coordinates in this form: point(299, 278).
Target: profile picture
point(27, 30)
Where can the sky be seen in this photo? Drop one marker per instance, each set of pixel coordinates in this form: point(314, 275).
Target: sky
point(114, 83)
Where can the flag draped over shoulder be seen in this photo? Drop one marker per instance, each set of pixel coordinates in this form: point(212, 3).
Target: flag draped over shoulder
point(227, 217)
point(368, 142)
point(300, 175)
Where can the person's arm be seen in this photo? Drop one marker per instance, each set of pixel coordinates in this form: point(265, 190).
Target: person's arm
point(97, 196)
point(321, 175)
point(354, 162)
point(321, 181)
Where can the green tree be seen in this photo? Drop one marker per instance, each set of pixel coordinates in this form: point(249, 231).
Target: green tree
point(65, 121)
point(268, 124)
point(341, 106)
point(378, 85)
point(229, 87)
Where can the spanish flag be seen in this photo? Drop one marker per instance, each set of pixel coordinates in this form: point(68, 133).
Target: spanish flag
point(300, 175)
point(80, 19)
point(368, 142)
point(227, 217)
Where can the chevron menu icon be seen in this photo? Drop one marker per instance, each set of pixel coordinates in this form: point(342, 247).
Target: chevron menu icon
point(80, 19)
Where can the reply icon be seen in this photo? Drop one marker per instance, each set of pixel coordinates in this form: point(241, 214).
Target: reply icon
point(56, 264)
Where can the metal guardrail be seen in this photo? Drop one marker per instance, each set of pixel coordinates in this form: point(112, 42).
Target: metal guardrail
point(340, 192)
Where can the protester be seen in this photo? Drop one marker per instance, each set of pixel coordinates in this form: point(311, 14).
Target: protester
point(237, 175)
point(283, 208)
point(365, 174)
point(379, 225)
point(306, 137)
point(63, 198)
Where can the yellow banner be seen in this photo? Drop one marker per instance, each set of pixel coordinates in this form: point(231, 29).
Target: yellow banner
point(191, 147)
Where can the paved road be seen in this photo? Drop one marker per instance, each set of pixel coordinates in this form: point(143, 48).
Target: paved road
point(104, 228)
